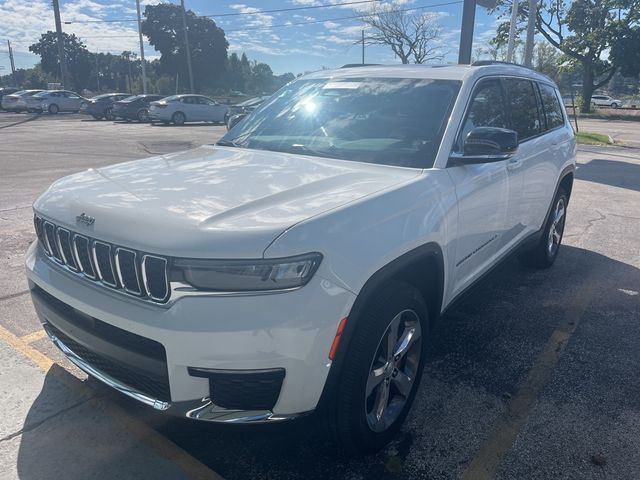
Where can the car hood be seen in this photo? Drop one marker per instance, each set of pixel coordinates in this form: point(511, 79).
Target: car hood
point(211, 201)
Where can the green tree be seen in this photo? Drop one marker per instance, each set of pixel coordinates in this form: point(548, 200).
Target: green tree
point(601, 36)
point(163, 27)
point(76, 53)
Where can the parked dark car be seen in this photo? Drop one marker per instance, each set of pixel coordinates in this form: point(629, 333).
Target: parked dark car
point(101, 106)
point(135, 108)
point(7, 91)
point(245, 107)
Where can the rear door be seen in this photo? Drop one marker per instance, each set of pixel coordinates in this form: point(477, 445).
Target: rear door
point(527, 120)
point(482, 189)
point(213, 110)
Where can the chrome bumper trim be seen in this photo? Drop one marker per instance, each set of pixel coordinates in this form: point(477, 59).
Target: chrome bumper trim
point(107, 379)
point(203, 409)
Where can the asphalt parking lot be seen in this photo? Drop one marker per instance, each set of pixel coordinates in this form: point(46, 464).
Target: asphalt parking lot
point(533, 374)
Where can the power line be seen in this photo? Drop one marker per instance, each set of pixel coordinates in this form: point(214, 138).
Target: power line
point(236, 14)
point(340, 18)
point(295, 24)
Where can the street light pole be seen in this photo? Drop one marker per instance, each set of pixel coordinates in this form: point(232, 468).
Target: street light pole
point(466, 31)
point(144, 68)
point(61, 56)
point(186, 44)
point(512, 31)
point(531, 30)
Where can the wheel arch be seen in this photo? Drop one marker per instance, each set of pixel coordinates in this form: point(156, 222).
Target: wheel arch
point(423, 267)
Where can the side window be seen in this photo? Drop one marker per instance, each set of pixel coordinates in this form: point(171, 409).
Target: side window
point(551, 106)
point(487, 109)
point(525, 118)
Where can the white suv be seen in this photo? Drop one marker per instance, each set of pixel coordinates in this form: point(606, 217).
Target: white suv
point(300, 264)
point(605, 101)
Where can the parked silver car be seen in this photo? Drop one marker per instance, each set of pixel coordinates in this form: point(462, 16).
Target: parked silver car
point(15, 102)
point(54, 101)
point(179, 109)
point(605, 101)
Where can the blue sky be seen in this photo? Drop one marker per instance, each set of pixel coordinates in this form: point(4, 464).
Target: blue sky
point(328, 43)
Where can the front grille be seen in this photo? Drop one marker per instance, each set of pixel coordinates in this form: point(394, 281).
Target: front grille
point(154, 386)
point(57, 314)
point(135, 273)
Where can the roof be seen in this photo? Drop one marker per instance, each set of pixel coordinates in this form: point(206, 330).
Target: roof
point(435, 72)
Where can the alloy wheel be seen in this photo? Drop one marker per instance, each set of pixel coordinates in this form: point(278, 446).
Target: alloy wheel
point(393, 370)
point(557, 227)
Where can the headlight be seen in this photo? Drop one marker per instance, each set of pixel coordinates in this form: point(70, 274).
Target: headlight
point(246, 275)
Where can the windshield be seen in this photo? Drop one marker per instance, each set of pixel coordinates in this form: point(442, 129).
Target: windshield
point(132, 98)
point(104, 95)
point(251, 101)
point(43, 94)
point(374, 120)
point(172, 98)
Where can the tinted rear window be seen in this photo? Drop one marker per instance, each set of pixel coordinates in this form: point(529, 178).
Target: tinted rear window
point(551, 106)
point(521, 98)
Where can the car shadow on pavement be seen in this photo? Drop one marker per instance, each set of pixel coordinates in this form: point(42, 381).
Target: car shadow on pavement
point(481, 351)
point(611, 172)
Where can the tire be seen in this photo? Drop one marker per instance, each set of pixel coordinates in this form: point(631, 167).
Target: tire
point(53, 109)
point(545, 253)
point(178, 118)
point(352, 417)
point(108, 113)
point(143, 115)
point(614, 105)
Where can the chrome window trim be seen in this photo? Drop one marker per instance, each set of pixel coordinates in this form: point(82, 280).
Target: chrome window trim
point(135, 267)
point(166, 279)
point(75, 252)
point(64, 257)
point(97, 265)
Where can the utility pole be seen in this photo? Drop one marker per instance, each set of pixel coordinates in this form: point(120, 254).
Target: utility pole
point(61, 57)
point(97, 72)
point(512, 31)
point(13, 65)
point(362, 47)
point(144, 68)
point(466, 31)
point(531, 30)
point(186, 44)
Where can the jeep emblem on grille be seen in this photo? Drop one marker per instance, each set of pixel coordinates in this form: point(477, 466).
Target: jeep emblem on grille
point(85, 219)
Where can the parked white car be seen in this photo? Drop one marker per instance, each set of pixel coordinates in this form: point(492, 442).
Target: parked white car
point(605, 101)
point(179, 109)
point(299, 264)
point(54, 101)
point(16, 101)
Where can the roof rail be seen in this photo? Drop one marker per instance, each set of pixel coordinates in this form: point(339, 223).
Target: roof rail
point(353, 65)
point(481, 63)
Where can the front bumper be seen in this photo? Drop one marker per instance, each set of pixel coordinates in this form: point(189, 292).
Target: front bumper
point(290, 331)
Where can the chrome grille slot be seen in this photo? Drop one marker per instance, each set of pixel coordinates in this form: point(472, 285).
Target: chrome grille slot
point(154, 274)
point(82, 253)
point(52, 244)
point(38, 223)
point(122, 269)
point(127, 269)
point(104, 264)
point(64, 241)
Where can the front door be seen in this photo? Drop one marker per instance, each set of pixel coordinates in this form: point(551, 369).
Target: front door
point(482, 190)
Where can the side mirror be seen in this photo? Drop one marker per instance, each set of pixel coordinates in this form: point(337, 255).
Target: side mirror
point(487, 145)
point(234, 120)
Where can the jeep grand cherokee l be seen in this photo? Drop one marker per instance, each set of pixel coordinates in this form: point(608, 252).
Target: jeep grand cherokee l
point(299, 264)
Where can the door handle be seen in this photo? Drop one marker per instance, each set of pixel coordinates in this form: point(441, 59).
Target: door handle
point(514, 164)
